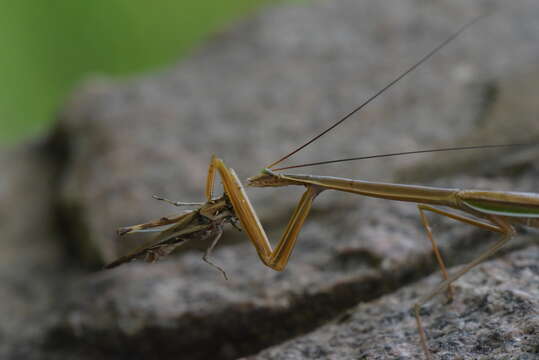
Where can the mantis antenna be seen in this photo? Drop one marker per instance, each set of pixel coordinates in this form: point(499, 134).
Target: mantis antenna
point(474, 147)
point(381, 91)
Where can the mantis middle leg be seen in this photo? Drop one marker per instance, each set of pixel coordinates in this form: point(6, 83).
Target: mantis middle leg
point(422, 208)
point(498, 224)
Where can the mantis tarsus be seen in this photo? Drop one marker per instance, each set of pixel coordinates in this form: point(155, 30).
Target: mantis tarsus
point(490, 210)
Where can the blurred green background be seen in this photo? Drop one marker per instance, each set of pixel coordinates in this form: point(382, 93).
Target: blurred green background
point(48, 46)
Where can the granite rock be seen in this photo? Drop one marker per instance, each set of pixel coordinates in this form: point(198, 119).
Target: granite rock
point(249, 95)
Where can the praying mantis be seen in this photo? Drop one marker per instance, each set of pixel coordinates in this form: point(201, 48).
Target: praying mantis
point(494, 211)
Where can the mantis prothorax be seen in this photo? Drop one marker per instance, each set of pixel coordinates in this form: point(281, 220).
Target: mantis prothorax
point(490, 210)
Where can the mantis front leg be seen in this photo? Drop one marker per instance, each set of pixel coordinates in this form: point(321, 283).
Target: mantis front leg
point(274, 258)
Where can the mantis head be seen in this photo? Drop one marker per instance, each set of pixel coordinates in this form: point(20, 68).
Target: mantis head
point(268, 178)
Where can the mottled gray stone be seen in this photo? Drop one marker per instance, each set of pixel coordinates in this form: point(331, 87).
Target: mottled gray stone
point(32, 254)
point(249, 95)
point(494, 316)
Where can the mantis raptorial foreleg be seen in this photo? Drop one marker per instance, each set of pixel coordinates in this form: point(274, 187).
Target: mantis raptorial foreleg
point(499, 225)
point(274, 258)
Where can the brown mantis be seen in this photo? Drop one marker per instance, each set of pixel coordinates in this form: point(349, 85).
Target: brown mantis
point(490, 210)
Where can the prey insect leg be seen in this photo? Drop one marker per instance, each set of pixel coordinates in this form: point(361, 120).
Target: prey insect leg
point(207, 253)
point(177, 203)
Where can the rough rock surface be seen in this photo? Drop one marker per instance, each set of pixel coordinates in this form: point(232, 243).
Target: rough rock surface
point(494, 316)
point(32, 256)
point(249, 96)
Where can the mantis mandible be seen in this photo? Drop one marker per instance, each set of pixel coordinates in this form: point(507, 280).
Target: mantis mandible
point(490, 210)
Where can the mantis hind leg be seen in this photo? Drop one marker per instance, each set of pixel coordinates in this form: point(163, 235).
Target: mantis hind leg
point(497, 224)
